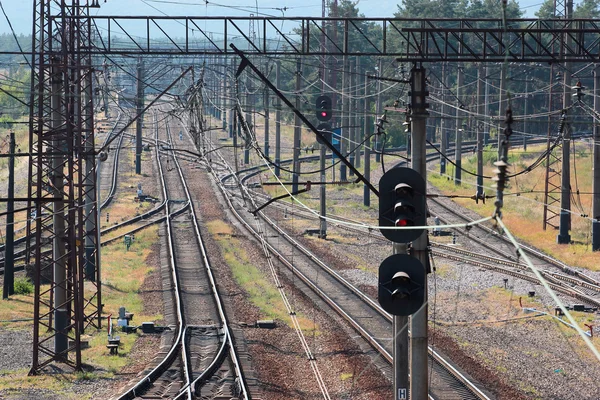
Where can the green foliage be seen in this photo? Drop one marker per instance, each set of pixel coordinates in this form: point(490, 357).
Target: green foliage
point(23, 286)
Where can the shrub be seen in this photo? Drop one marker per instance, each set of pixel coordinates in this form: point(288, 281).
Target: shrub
point(23, 286)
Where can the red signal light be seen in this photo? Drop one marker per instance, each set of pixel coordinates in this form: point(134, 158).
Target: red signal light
point(323, 114)
point(404, 222)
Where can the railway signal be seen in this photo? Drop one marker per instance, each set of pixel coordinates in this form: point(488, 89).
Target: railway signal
point(325, 130)
point(401, 284)
point(323, 108)
point(402, 204)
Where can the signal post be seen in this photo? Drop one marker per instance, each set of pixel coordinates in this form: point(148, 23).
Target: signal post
point(402, 289)
point(419, 382)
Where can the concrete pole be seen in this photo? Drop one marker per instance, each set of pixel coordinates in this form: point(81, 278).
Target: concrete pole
point(526, 113)
point(378, 110)
point(444, 122)
point(563, 236)
point(345, 116)
point(9, 248)
point(278, 121)
point(267, 116)
point(249, 119)
point(231, 102)
point(368, 128)
point(297, 132)
point(359, 106)
point(419, 376)
point(459, 128)
point(140, 120)
point(501, 107)
point(486, 126)
point(596, 167)
point(481, 106)
point(351, 117)
point(400, 344)
point(224, 94)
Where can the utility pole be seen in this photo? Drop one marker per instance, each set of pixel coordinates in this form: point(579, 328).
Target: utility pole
point(323, 148)
point(486, 126)
point(526, 113)
point(296, 146)
point(419, 377)
point(249, 110)
point(459, 128)
point(401, 344)
point(501, 105)
point(444, 122)
point(231, 104)
point(278, 121)
point(351, 117)
point(105, 89)
point(267, 116)
point(378, 110)
point(345, 114)
point(140, 121)
point(9, 247)
point(563, 236)
point(357, 136)
point(481, 106)
point(224, 93)
point(596, 167)
point(61, 313)
point(368, 128)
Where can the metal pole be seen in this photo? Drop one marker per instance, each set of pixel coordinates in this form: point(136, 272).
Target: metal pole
point(140, 121)
point(419, 377)
point(296, 156)
point(278, 120)
point(480, 130)
point(90, 194)
point(563, 236)
point(9, 249)
point(61, 316)
point(596, 167)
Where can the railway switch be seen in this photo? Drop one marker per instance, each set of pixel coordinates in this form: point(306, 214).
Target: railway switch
point(402, 204)
point(401, 284)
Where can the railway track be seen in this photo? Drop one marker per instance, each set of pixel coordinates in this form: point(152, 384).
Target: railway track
point(567, 281)
point(197, 356)
point(327, 287)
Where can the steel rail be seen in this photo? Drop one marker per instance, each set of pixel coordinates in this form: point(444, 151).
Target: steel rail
point(376, 307)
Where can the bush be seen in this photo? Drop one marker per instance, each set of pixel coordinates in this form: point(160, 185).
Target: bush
point(23, 286)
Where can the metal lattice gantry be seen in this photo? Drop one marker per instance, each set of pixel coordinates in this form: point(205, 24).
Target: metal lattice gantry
point(62, 255)
point(409, 40)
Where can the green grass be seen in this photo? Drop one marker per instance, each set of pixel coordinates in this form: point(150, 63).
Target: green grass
point(523, 214)
point(259, 288)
